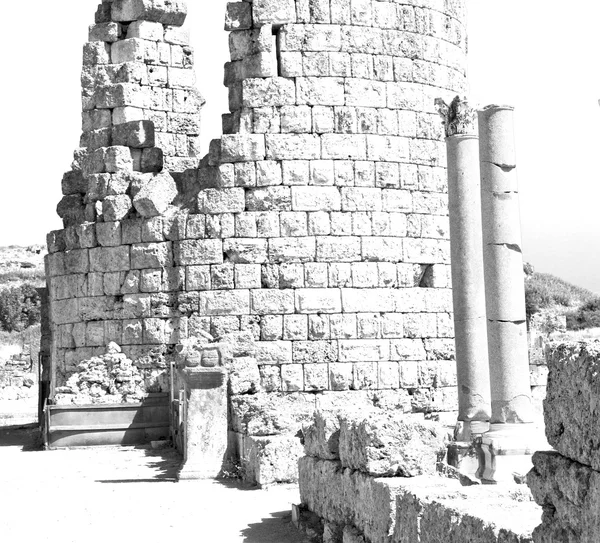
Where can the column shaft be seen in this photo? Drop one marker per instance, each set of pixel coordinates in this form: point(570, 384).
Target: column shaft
point(503, 268)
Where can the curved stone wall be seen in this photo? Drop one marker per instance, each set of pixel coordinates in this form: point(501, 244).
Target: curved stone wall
point(317, 223)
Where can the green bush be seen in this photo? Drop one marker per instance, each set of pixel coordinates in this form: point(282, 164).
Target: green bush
point(587, 316)
point(19, 307)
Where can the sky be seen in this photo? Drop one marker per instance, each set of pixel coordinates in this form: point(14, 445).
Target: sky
point(538, 56)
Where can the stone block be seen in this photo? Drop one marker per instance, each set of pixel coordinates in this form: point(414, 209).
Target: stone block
point(246, 250)
point(271, 414)
point(390, 444)
point(199, 251)
point(272, 302)
point(107, 32)
point(292, 146)
point(244, 377)
point(274, 352)
point(215, 201)
point(270, 460)
point(297, 249)
point(277, 198)
point(322, 436)
point(273, 11)
point(145, 30)
point(96, 53)
point(318, 300)
point(272, 91)
point(117, 159)
point(242, 147)
point(156, 194)
point(109, 259)
point(224, 302)
point(316, 199)
point(116, 208)
point(151, 255)
point(119, 95)
point(572, 404)
point(317, 91)
point(172, 12)
point(569, 493)
point(136, 134)
point(338, 249)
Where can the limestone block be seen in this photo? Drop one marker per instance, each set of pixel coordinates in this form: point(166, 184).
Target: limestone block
point(344, 146)
point(244, 376)
point(107, 32)
point(316, 199)
point(119, 95)
point(313, 37)
point(171, 12)
point(338, 249)
point(314, 352)
point(297, 249)
point(274, 352)
point(152, 160)
point(272, 301)
point(318, 300)
point(242, 147)
point(273, 91)
point(145, 30)
point(181, 77)
point(95, 53)
point(151, 255)
point(117, 158)
point(270, 460)
point(156, 194)
point(322, 436)
point(246, 250)
point(265, 414)
point(387, 444)
point(71, 209)
point(571, 408)
point(109, 259)
point(276, 198)
point(108, 234)
point(136, 134)
point(73, 182)
point(215, 201)
point(199, 251)
point(361, 199)
point(569, 493)
point(317, 91)
point(273, 11)
point(176, 35)
point(224, 302)
point(116, 208)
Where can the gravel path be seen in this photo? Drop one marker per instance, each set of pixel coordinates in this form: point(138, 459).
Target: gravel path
point(122, 494)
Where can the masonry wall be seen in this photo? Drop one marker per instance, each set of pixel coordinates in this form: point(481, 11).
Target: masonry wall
point(317, 223)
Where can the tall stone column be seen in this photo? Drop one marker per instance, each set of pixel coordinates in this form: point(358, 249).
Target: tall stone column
point(505, 298)
point(468, 293)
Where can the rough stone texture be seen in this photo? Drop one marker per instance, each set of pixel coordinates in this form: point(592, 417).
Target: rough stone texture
point(322, 437)
point(572, 407)
point(416, 510)
point(316, 223)
point(569, 493)
point(390, 444)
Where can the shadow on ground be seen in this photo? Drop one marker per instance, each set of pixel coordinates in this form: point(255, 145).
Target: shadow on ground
point(28, 437)
point(164, 463)
point(276, 529)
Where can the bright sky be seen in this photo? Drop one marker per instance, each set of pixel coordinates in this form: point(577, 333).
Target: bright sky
point(535, 54)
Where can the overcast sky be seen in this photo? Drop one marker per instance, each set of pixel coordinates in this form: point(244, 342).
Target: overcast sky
point(536, 55)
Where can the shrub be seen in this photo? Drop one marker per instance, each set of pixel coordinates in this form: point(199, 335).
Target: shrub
point(587, 316)
point(19, 307)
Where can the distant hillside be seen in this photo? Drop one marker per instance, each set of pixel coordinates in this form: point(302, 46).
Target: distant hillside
point(20, 265)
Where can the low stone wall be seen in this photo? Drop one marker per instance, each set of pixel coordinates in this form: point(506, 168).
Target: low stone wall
point(566, 482)
point(371, 478)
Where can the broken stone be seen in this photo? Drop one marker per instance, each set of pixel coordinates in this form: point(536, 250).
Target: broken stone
point(117, 159)
point(155, 195)
point(116, 208)
point(71, 210)
point(322, 436)
point(171, 12)
point(390, 444)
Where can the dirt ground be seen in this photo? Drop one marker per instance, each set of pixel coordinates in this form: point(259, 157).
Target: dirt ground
point(122, 494)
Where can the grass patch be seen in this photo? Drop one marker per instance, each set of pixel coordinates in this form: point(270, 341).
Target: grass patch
point(544, 291)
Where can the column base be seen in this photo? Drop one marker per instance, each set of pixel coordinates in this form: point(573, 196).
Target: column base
point(199, 471)
point(462, 453)
point(505, 452)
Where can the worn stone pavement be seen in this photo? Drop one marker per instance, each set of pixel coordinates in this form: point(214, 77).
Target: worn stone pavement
point(123, 494)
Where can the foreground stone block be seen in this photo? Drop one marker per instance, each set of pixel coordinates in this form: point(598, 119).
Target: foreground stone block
point(269, 460)
point(167, 12)
point(572, 405)
point(322, 436)
point(424, 509)
point(569, 493)
point(390, 444)
point(136, 134)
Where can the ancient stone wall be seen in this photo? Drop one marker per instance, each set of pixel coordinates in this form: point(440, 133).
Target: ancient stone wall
point(316, 225)
point(566, 482)
point(371, 477)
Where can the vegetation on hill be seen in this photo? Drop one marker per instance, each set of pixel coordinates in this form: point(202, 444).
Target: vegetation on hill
point(544, 291)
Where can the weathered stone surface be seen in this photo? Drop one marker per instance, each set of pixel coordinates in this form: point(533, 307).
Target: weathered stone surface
point(569, 493)
point(270, 460)
point(322, 436)
point(244, 377)
point(271, 414)
point(572, 404)
point(136, 134)
point(422, 509)
point(171, 12)
point(155, 195)
point(390, 444)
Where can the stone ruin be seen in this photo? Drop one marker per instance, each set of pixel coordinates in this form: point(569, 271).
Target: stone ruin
point(314, 232)
point(296, 278)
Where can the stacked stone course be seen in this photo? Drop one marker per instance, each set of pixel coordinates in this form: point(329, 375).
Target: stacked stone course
point(317, 222)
